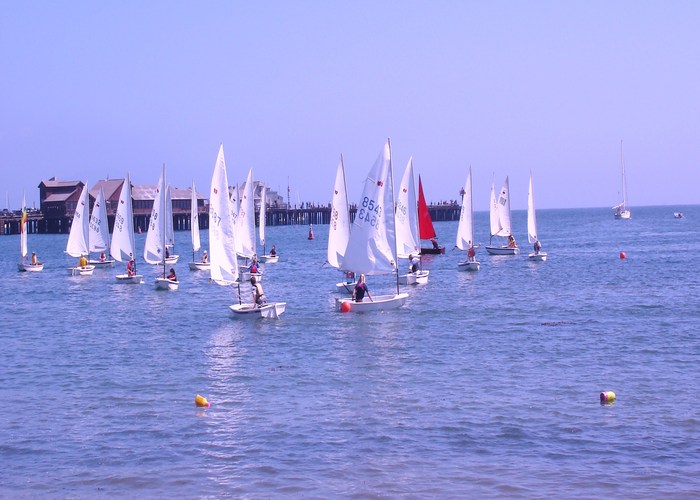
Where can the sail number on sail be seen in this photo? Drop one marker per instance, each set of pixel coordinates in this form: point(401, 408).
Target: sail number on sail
point(371, 212)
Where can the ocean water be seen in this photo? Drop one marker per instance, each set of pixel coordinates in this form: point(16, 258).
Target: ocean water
point(484, 385)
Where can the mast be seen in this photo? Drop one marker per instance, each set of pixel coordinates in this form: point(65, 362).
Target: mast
point(393, 214)
point(164, 215)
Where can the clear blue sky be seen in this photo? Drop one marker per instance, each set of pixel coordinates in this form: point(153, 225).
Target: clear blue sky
point(91, 89)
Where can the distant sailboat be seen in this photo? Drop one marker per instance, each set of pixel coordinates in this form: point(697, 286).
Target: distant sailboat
point(156, 237)
point(202, 264)
point(99, 232)
point(170, 258)
point(24, 263)
point(245, 230)
point(465, 229)
point(371, 249)
point(532, 234)
point(407, 241)
point(501, 222)
point(622, 210)
point(268, 258)
point(79, 234)
point(425, 224)
point(122, 247)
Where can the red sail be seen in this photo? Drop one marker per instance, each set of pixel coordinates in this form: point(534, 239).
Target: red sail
point(425, 223)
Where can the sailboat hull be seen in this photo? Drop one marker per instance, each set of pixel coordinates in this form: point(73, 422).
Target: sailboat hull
point(378, 303)
point(81, 271)
point(250, 311)
point(200, 266)
point(417, 278)
point(504, 250)
point(33, 268)
point(344, 287)
point(469, 266)
point(246, 275)
point(172, 260)
point(101, 263)
point(625, 214)
point(432, 250)
point(539, 257)
point(125, 279)
point(166, 284)
point(269, 259)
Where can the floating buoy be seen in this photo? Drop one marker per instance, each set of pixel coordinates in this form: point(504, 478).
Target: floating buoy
point(623, 255)
point(202, 401)
point(345, 307)
point(607, 397)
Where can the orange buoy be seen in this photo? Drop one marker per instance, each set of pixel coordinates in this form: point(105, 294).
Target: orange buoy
point(345, 307)
point(201, 401)
point(623, 255)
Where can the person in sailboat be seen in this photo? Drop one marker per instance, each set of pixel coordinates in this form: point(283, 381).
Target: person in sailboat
point(434, 241)
point(311, 232)
point(82, 262)
point(259, 298)
point(35, 260)
point(172, 276)
point(167, 252)
point(131, 268)
point(273, 251)
point(511, 242)
point(358, 293)
point(103, 257)
point(471, 252)
point(205, 257)
point(349, 277)
point(537, 246)
point(254, 266)
point(414, 263)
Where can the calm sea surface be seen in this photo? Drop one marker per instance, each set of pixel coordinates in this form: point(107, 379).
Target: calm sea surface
point(483, 385)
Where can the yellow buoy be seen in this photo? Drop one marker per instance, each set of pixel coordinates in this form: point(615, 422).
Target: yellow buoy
point(202, 401)
point(607, 397)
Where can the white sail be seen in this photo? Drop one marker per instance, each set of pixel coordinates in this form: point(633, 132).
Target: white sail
point(245, 229)
point(465, 229)
point(503, 205)
point(493, 212)
point(222, 254)
point(99, 227)
point(234, 199)
point(371, 248)
point(531, 217)
point(122, 247)
point(407, 241)
point(261, 224)
point(23, 230)
point(194, 220)
point(154, 249)
point(78, 236)
point(339, 228)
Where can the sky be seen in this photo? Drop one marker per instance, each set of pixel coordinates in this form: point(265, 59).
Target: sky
point(90, 90)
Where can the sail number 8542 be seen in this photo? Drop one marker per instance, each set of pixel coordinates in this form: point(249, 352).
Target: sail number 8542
point(370, 211)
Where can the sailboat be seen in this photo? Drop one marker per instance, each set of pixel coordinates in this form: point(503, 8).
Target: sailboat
point(170, 258)
point(154, 249)
point(99, 232)
point(122, 247)
point(465, 229)
point(371, 249)
point(425, 224)
point(622, 210)
point(500, 222)
point(339, 229)
point(245, 228)
point(78, 236)
point(222, 245)
point(407, 242)
point(265, 257)
point(202, 264)
point(532, 235)
point(24, 264)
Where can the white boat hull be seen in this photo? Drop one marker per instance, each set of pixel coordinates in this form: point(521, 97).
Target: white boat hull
point(625, 214)
point(136, 279)
point(541, 257)
point(32, 268)
point(503, 250)
point(101, 263)
point(81, 271)
point(469, 265)
point(417, 278)
point(378, 303)
point(251, 311)
point(246, 275)
point(166, 284)
point(200, 266)
point(269, 259)
point(344, 287)
point(171, 260)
